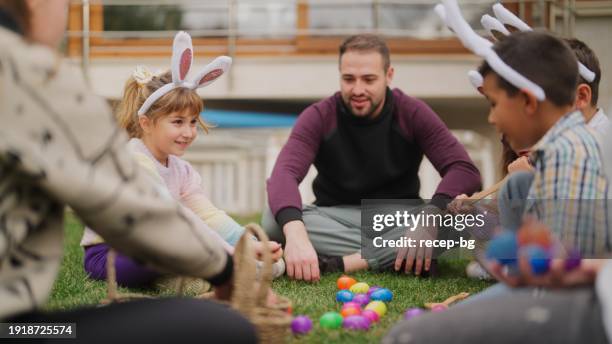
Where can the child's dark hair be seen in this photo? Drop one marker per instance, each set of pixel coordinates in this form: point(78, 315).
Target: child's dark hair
point(542, 58)
point(508, 156)
point(587, 57)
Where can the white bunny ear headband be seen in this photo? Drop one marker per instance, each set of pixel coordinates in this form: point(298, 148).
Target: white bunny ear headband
point(496, 29)
point(454, 20)
point(182, 58)
point(504, 16)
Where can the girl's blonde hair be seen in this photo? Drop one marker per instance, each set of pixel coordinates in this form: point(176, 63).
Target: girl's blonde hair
point(179, 100)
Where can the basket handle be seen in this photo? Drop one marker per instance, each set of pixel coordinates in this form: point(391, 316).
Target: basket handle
point(112, 293)
point(111, 276)
point(245, 273)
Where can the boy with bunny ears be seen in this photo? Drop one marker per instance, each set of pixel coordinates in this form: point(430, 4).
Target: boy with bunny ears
point(530, 81)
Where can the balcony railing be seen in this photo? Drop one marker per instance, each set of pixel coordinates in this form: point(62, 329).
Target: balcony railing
point(124, 28)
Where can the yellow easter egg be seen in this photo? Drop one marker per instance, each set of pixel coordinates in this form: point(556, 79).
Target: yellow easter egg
point(377, 306)
point(359, 288)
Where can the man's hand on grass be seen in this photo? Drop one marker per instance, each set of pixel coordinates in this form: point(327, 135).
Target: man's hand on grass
point(300, 255)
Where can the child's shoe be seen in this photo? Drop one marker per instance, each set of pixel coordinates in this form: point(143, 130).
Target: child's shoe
point(191, 285)
point(476, 271)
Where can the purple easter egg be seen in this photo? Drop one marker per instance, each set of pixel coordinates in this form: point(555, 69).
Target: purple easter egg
point(573, 260)
point(439, 308)
point(373, 289)
point(361, 299)
point(413, 312)
point(356, 322)
point(371, 315)
point(301, 324)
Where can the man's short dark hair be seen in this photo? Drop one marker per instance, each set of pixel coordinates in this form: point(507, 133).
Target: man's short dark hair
point(365, 43)
point(542, 58)
point(587, 57)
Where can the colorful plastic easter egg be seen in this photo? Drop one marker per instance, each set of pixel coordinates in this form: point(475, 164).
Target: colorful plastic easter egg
point(383, 294)
point(538, 258)
point(351, 304)
point(503, 248)
point(371, 315)
point(378, 307)
point(345, 282)
point(331, 320)
point(439, 308)
point(361, 299)
point(573, 260)
point(301, 325)
point(360, 288)
point(534, 234)
point(344, 296)
point(413, 312)
point(373, 289)
point(348, 311)
point(356, 322)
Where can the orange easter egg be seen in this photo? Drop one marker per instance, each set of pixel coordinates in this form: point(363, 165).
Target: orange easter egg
point(348, 311)
point(345, 282)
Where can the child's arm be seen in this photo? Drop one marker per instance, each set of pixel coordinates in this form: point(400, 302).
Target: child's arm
point(149, 167)
point(193, 197)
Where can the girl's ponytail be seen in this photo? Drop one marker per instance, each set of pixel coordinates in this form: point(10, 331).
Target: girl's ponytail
point(127, 110)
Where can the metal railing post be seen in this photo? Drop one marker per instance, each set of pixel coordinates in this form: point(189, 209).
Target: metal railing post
point(375, 14)
point(85, 41)
point(231, 39)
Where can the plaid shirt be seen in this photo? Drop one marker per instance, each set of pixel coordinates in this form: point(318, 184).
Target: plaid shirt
point(569, 187)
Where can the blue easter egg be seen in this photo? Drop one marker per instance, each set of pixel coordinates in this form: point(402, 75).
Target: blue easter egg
point(344, 296)
point(538, 258)
point(503, 248)
point(382, 294)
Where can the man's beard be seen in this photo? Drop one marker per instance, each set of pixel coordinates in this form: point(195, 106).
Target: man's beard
point(370, 112)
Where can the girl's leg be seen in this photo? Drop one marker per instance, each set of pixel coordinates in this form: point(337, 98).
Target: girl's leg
point(130, 273)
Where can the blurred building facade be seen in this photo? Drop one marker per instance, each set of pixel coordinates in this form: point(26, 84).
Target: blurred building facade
point(285, 57)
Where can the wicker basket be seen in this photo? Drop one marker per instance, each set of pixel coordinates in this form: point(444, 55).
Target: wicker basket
point(272, 322)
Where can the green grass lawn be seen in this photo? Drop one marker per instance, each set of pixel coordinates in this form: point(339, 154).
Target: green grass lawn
point(73, 289)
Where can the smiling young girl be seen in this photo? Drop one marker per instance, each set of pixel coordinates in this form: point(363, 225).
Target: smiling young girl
point(161, 113)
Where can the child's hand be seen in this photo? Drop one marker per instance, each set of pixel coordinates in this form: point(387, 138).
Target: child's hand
point(273, 246)
point(556, 278)
point(557, 275)
point(459, 206)
point(520, 164)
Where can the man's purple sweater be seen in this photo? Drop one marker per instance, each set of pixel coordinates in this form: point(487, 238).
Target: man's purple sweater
point(362, 158)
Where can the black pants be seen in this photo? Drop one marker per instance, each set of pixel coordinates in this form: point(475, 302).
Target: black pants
point(151, 321)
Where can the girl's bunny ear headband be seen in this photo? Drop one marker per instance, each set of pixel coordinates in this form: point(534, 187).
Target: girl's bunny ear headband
point(182, 58)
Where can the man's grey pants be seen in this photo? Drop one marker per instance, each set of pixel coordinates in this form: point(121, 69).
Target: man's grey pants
point(336, 231)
